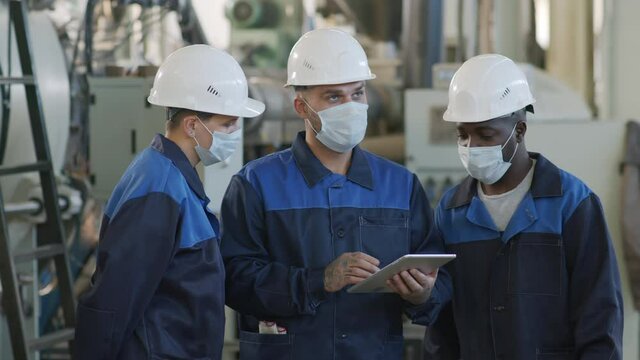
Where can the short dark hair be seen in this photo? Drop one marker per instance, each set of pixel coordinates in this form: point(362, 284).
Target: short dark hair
point(175, 116)
point(298, 88)
point(514, 117)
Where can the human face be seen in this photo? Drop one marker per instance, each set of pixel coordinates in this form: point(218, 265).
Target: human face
point(218, 123)
point(490, 133)
point(322, 97)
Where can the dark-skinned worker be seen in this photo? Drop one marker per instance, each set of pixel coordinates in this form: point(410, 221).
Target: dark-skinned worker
point(535, 275)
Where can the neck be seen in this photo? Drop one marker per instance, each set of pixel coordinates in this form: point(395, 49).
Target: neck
point(186, 144)
point(337, 163)
point(520, 166)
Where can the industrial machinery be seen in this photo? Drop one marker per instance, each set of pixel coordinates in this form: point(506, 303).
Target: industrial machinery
point(23, 194)
point(263, 31)
point(90, 117)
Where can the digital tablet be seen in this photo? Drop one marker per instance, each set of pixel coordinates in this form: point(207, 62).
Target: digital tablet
point(423, 262)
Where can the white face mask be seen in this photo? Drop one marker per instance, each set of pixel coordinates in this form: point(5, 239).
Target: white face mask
point(222, 146)
point(343, 126)
point(485, 163)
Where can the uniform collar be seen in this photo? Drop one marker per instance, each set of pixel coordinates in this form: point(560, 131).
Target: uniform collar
point(546, 183)
point(313, 171)
point(171, 151)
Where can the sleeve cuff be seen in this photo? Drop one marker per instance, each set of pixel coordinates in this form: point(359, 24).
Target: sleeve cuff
point(424, 314)
point(315, 287)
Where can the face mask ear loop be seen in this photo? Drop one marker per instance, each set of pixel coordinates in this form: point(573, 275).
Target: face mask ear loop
point(193, 136)
point(309, 106)
point(312, 128)
point(194, 132)
point(509, 138)
point(514, 152)
point(307, 120)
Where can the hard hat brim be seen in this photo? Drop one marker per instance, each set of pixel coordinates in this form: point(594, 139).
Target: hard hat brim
point(332, 81)
point(252, 108)
point(448, 117)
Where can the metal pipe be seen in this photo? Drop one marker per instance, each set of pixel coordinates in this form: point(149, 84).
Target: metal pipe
point(433, 51)
point(460, 53)
point(31, 207)
point(27, 207)
point(422, 42)
point(413, 43)
point(88, 36)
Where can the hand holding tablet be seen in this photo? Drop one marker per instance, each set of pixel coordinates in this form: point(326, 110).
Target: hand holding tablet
point(377, 282)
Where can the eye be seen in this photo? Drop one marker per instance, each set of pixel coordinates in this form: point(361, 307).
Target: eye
point(358, 94)
point(230, 123)
point(333, 98)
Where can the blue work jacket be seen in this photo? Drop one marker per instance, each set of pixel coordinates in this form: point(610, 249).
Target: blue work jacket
point(158, 288)
point(285, 218)
point(545, 288)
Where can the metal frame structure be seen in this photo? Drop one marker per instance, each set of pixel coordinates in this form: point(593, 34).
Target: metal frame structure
point(51, 245)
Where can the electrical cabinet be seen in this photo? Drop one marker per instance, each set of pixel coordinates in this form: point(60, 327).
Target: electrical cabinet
point(121, 124)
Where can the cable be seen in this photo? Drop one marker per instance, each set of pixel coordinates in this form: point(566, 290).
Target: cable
point(74, 57)
point(130, 29)
point(88, 36)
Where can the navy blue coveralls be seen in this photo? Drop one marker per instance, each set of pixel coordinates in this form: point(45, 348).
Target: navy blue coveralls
point(286, 217)
point(158, 288)
point(546, 288)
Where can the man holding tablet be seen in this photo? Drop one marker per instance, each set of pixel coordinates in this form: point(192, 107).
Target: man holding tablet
point(302, 225)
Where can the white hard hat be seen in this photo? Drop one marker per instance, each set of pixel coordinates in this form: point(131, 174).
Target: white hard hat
point(327, 56)
point(203, 78)
point(486, 87)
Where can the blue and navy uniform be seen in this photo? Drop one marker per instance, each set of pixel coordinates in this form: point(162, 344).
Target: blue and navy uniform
point(286, 217)
point(158, 288)
point(545, 288)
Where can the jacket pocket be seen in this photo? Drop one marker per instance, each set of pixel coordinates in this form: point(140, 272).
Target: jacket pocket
point(535, 265)
point(386, 239)
point(554, 354)
point(94, 332)
point(254, 346)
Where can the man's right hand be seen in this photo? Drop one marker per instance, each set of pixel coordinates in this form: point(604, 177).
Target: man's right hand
point(349, 269)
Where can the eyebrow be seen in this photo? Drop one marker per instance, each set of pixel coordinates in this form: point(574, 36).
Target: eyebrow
point(460, 128)
point(340, 91)
point(485, 128)
point(332, 92)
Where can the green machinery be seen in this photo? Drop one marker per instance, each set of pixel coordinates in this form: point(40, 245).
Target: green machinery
point(263, 31)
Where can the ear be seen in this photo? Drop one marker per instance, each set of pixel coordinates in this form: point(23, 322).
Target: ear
point(300, 107)
point(189, 125)
point(521, 129)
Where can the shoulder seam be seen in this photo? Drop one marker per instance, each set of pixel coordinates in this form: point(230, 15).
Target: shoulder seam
point(113, 216)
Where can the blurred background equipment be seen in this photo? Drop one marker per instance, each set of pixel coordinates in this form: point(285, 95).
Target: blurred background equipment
point(95, 61)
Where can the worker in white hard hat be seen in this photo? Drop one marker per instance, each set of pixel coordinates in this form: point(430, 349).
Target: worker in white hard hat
point(158, 288)
point(303, 225)
point(535, 275)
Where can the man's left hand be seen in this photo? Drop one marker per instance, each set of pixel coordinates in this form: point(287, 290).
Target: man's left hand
point(413, 285)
